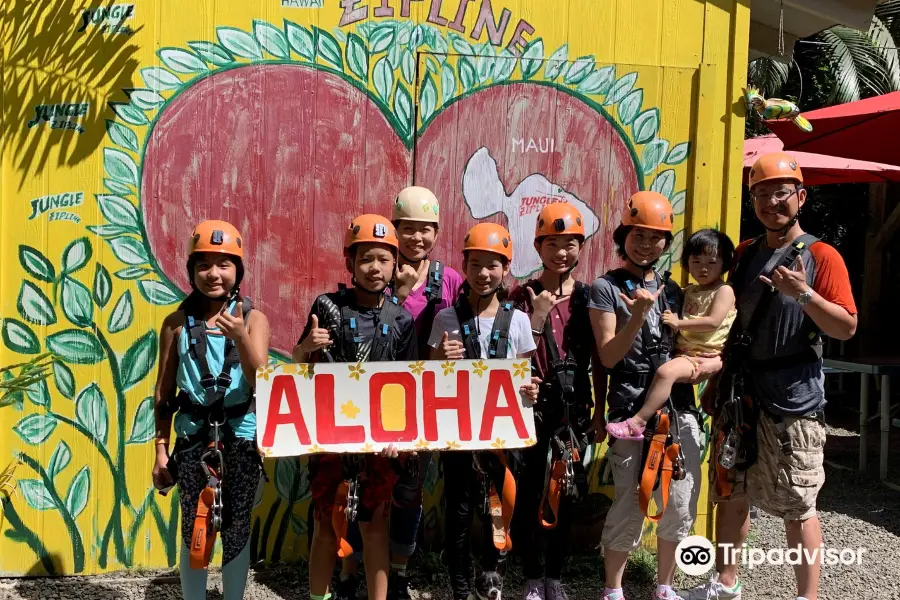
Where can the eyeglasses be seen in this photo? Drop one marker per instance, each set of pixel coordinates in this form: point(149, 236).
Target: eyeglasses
point(779, 196)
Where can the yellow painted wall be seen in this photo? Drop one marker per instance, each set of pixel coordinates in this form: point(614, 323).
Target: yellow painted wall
point(91, 237)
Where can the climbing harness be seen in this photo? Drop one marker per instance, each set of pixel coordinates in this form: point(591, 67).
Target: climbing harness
point(208, 520)
point(663, 462)
point(469, 328)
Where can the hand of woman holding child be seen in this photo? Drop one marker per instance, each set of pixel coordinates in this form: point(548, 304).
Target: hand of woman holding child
point(529, 391)
point(671, 319)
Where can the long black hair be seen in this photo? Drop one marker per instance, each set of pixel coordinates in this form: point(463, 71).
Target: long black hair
point(197, 302)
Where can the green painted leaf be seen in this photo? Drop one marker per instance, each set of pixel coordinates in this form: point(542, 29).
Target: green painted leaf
point(417, 38)
point(138, 360)
point(18, 337)
point(287, 479)
point(12, 398)
point(630, 106)
point(129, 113)
point(440, 46)
point(64, 380)
point(34, 306)
point(272, 39)
point(395, 54)
point(328, 47)
point(339, 35)
point(484, 63)
point(133, 272)
point(181, 61)
point(554, 65)
point(624, 85)
point(365, 28)
point(143, 427)
point(404, 32)
point(239, 43)
point(384, 79)
point(61, 458)
point(403, 108)
point(532, 58)
point(146, 99)
point(35, 429)
point(122, 314)
point(407, 65)
point(156, 292)
point(679, 201)
point(102, 286)
point(302, 41)
point(646, 126)
point(120, 167)
point(119, 211)
point(461, 45)
point(129, 250)
point(39, 393)
point(427, 98)
point(76, 346)
point(677, 246)
point(299, 526)
point(92, 412)
point(679, 154)
point(467, 73)
point(212, 53)
point(579, 69)
point(77, 304)
point(159, 79)
point(432, 64)
point(665, 262)
point(117, 188)
point(653, 155)
point(36, 494)
point(109, 231)
point(36, 264)
point(357, 56)
point(504, 65)
point(598, 82)
point(76, 255)
point(382, 37)
point(121, 136)
point(79, 490)
point(664, 183)
point(448, 83)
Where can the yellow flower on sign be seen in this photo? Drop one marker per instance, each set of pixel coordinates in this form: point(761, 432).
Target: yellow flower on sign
point(479, 367)
point(530, 442)
point(522, 368)
point(453, 445)
point(267, 452)
point(349, 410)
point(448, 367)
point(289, 369)
point(315, 449)
point(265, 371)
point(356, 370)
point(306, 371)
point(417, 367)
point(498, 443)
point(367, 447)
point(423, 444)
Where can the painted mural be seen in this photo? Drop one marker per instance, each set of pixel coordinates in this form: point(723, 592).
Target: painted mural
point(284, 124)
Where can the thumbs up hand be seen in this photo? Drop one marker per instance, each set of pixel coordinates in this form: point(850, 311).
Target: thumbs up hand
point(452, 349)
point(317, 338)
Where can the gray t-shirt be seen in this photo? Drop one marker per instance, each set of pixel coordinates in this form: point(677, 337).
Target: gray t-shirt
point(605, 297)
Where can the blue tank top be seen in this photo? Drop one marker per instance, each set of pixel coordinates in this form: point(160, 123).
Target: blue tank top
point(188, 380)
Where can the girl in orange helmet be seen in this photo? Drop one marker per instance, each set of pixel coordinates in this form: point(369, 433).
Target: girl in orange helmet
point(210, 349)
point(357, 324)
point(481, 325)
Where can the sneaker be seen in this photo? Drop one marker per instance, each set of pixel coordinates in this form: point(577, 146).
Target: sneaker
point(398, 587)
point(713, 590)
point(609, 594)
point(534, 590)
point(626, 430)
point(346, 589)
point(554, 590)
point(667, 594)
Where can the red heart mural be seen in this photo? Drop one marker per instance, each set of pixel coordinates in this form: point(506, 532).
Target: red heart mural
point(289, 154)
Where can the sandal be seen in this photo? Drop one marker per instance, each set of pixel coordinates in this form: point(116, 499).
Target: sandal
point(626, 430)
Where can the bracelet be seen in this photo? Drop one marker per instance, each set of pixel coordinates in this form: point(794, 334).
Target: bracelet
point(537, 332)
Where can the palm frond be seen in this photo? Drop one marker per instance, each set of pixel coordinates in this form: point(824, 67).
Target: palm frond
point(858, 67)
point(767, 75)
point(886, 48)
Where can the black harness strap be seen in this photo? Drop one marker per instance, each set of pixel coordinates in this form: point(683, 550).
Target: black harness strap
point(498, 345)
point(434, 294)
point(382, 344)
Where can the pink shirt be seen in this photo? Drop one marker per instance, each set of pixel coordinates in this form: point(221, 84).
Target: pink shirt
point(415, 303)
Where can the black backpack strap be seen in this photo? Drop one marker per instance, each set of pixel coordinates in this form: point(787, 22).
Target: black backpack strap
point(498, 346)
point(350, 336)
point(468, 329)
point(434, 284)
point(382, 344)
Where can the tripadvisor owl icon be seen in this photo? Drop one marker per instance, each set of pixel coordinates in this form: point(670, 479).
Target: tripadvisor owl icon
point(695, 555)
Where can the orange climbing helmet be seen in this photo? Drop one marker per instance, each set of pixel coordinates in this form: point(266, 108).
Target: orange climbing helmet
point(216, 236)
point(777, 165)
point(371, 228)
point(560, 218)
point(650, 210)
point(490, 237)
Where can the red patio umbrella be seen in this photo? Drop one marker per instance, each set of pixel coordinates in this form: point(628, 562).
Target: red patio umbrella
point(820, 169)
point(863, 130)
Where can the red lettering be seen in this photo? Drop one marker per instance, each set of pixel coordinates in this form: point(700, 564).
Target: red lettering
point(327, 431)
point(384, 10)
point(501, 381)
point(434, 15)
point(517, 43)
point(457, 24)
point(352, 14)
point(404, 7)
point(486, 20)
point(283, 387)
point(376, 383)
point(522, 209)
point(460, 403)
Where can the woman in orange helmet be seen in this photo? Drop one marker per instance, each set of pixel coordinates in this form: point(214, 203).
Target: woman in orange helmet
point(210, 349)
point(566, 353)
point(481, 325)
point(357, 324)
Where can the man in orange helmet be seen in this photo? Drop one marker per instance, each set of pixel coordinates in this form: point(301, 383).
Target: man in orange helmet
point(552, 474)
point(790, 289)
point(356, 324)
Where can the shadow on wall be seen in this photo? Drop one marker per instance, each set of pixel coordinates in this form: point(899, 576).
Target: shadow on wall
point(57, 56)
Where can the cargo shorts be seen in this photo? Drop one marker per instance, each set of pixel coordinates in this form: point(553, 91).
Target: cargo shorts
point(785, 486)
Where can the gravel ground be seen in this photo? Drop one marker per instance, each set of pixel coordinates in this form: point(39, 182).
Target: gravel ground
point(856, 511)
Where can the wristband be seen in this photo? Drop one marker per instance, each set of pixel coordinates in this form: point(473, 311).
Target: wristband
point(536, 332)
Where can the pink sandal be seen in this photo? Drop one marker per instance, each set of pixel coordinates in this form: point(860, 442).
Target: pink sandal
point(626, 430)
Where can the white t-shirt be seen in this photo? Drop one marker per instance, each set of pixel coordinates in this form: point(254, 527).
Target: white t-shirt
point(520, 340)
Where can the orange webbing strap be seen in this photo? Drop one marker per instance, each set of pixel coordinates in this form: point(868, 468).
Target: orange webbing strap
point(552, 495)
point(203, 537)
point(502, 505)
point(339, 519)
point(661, 457)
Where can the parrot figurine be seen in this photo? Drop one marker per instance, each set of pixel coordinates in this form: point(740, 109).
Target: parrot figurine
point(776, 108)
